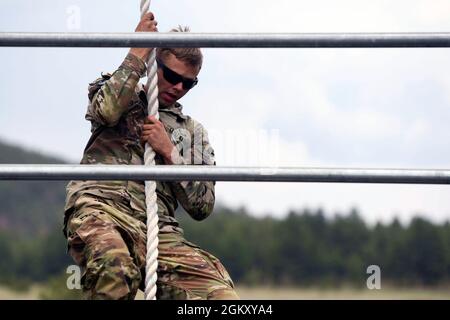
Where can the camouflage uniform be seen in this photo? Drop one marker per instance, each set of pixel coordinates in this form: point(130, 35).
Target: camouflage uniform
point(105, 221)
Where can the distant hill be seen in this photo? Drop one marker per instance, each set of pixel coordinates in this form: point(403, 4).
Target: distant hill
point(12, 154)
point(29, 207)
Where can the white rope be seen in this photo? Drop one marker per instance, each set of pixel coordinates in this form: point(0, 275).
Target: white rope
point(150, 186)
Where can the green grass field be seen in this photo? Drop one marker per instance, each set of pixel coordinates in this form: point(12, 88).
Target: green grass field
point(268, 293)
point(344, 293)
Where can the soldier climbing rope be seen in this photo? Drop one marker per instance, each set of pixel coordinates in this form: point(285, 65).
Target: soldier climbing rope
point(224, 174)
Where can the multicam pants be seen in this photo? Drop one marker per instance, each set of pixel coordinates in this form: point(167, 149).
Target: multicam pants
point(107, 240)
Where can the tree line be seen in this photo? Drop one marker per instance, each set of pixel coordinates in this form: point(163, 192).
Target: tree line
point(305, 248)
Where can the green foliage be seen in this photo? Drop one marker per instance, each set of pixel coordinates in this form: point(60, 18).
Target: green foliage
point(56, 289)
point(27, 259)
point(305, 248)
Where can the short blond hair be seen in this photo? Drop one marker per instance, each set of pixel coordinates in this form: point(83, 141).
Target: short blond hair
point(191, 56)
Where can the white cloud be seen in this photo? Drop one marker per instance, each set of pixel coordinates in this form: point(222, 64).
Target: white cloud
point(319, 15)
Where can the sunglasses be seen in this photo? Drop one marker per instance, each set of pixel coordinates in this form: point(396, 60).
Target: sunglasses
point(175, 78)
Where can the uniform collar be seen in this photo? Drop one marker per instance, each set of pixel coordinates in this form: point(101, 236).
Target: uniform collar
point(175, 108)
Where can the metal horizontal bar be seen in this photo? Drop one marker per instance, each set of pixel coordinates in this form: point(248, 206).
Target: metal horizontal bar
point(216, 173)
point(227, 40)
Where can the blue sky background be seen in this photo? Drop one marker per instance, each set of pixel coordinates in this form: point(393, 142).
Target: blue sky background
point(311, 107)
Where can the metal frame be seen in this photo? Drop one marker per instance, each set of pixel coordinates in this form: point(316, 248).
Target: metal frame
point(227, 40)
point(216, 173)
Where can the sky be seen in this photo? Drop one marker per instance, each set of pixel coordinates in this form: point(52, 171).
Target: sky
point(350, 108)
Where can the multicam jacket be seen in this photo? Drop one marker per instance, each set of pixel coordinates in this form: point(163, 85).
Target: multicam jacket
point(117, 108)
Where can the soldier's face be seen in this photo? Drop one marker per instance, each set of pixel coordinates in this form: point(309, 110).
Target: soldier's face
point(169, 92)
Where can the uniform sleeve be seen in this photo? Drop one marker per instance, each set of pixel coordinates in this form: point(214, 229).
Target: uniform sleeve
point(196, 197)
point(110, 95)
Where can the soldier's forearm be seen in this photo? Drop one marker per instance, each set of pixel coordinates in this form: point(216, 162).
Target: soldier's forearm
point(113, 99)
point(126, 82)
point(134, 63)
point(141, 53)
point(196, 197)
